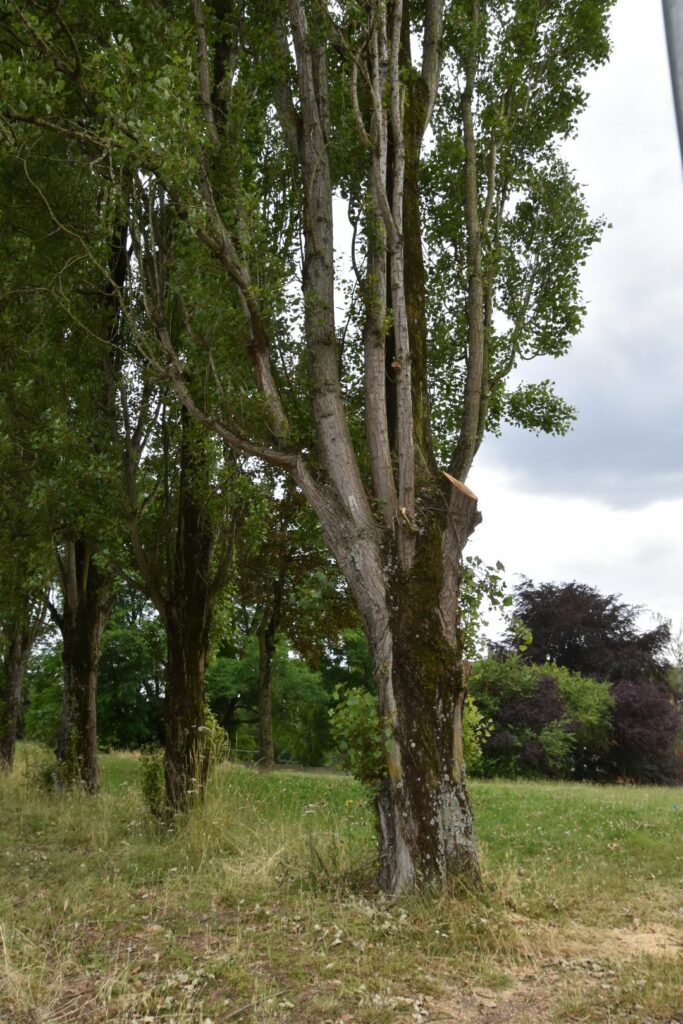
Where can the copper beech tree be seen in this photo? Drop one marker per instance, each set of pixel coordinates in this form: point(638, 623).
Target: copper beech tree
point(372, 376)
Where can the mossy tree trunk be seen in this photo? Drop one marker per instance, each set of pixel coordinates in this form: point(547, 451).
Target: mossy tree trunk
point(185, 762)
point(84, 614)
point(425, 820)
point(187, 620)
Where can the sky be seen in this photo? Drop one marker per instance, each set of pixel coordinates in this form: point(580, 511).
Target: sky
point(604, 505)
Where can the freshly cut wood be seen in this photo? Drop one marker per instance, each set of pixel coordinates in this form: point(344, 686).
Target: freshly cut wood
point(460, 485)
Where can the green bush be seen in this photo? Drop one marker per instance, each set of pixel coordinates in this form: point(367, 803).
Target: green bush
point(476, 729)
point(152, 781)
point(355, 728)
point(545, 720)
point(215, 740)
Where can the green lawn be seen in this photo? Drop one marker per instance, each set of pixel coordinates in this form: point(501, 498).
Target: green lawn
point(261, 907)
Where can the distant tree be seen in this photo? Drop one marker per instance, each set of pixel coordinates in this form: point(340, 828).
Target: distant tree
point(647, 725)
point(300, 701)
point(43, 697)
point(288, 588)
point(576, 627)
point(544, 719)
point(54, 390)
point(130, 690)
point(597, 635)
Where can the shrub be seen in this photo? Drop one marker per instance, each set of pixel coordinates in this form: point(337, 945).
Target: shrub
point(215, 740)
point(355, 728)
point(476, 729)
point(152, 780)
point(545, 720)
point(646, 729)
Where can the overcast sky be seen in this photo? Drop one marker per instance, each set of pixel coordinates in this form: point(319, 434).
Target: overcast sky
point(604, 505)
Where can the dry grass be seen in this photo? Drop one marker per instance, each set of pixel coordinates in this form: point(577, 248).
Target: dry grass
point(262, 909)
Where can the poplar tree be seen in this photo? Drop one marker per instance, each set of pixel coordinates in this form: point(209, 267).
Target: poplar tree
point(438, 125)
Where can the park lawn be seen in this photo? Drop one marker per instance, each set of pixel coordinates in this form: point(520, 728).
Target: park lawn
point(261, 908)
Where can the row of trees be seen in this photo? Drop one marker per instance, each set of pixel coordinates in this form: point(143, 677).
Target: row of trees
point(172, 173)
point(615, 715)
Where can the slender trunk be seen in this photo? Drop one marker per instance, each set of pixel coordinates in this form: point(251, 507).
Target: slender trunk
point(266, 644)
point(82, 621)
point(11, 686)
point(266, 639)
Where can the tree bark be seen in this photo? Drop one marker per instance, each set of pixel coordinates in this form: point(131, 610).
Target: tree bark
point(186, 756)
point(425, 820)
point(82, 620)
point(187, 620)
point(19, 642)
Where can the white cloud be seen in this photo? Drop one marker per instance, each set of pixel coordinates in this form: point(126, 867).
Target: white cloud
point(605, 505)
point(633, 552)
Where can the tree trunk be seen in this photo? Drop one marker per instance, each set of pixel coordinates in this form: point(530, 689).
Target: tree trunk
point(186, 760)
point(426, 825)
point(426, 832)
point(426, 828)
point(81, 623)
point(187, 617)
point(266, 647)
point(11, 686)
point(267, 635)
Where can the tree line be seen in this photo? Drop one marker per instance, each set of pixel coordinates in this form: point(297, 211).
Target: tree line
point(185, 352)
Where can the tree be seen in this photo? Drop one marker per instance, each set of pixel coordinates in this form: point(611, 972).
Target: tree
point(130, 685)
point(184, 502)
point(251, 122)
point(544, 720)
point(54, 392)
point(597, 635)
point(576, 627)
point(289, 590)
point(300, 699)
point(25, 560)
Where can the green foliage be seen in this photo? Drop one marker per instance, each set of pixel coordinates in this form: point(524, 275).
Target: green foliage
point(300, 703)
point(482, 588)
point(544, 720)
point(476, 729)
point(301, 697)
point(214, 740)
point(130, 678)
point(44, 697)
point(348, 662)
point(152, 783)
point(356, 731)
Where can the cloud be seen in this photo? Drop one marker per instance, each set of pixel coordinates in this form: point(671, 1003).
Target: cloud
point(625, 373)
point(635, 552)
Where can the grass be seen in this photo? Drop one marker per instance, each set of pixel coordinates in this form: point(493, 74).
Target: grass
point(261, 908)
